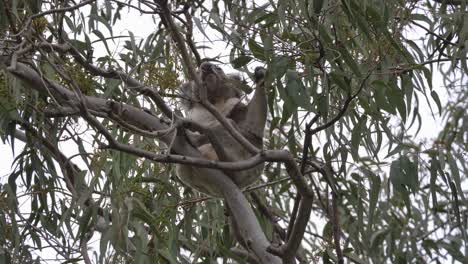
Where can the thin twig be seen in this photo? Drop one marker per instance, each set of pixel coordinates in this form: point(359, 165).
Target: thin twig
point(342, 110)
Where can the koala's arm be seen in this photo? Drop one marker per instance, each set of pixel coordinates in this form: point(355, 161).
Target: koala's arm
point(255, 118)
point(212, 137)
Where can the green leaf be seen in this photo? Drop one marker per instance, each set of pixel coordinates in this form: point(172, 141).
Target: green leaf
point(133, 45)
point(350, 61)
point(3, 18)
point(396, 97)
point(455, 174)
point(292, 140)
point(340, 81)
point(420, 17)
point(375, 17)
point(416, 48)
point(288, 107)
point(356, 136)
point(432, 183)
point(70, 24)
point(269, 18)
point(436, 98)
point(356, 16)
point(375, 185)
point(200, 27)
point(279, 66)
point(404, 174)
point(380, 91)
point(103, 39)
point(411, 172)
point(327, 231)
point(241, 61)
point(296, 91)
point(257, 50)
point(84, 221)
point(354, 257)
point(318, 4)
point(281, 9)
point(103, 21)
point(216, 19)
point(377, 239)
point(407, 87)
point(399, 47)
point(322, 105)
point(428, 75)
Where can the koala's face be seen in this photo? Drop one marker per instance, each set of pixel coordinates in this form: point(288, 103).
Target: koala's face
point(219, 86)
point(212, 76)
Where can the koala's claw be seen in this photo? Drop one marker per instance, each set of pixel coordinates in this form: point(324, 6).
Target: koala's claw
point(259, 73)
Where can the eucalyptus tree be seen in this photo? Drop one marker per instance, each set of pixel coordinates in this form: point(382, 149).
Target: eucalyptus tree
point(92, 114)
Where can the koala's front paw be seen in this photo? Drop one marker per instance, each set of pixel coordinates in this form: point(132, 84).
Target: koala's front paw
point(259, 73)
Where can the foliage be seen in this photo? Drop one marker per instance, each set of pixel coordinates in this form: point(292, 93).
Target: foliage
point(350, 88)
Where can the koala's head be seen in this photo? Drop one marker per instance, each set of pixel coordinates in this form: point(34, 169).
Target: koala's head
point(218, 86)
point(212, 77)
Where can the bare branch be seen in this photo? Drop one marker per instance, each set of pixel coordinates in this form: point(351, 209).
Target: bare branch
point(84, 251)
point(336, 228)
point(297, 234)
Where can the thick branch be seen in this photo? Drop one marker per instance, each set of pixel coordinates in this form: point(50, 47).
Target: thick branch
point(112, 74)
point(244, 216)
point(297, 234)
point(127, 113)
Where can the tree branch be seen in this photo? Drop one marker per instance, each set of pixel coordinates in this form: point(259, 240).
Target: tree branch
point(112, 74)
point(452, 2)
point(336, 228)
point(342, 110)
point(243, 213)
point(178, 39)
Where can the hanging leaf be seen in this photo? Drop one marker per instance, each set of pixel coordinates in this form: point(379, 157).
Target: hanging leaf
point(241, 61)
point(257, 50)
point(435, 96)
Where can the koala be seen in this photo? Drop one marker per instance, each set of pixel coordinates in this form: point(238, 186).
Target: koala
point(224, 93)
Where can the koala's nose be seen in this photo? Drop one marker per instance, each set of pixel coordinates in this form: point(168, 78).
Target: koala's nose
point(206, 67)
